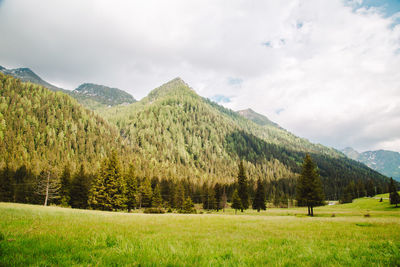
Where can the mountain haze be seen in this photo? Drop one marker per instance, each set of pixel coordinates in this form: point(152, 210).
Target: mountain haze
point(384, 161)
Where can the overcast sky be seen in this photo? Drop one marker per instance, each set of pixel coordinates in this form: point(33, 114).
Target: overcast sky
point(326, 70)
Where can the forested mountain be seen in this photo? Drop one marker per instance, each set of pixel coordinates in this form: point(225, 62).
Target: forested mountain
point(41, 128)
point(92, 96)
point(102, 94)
point(256, 117)
point(173, 140)
point(384, 161)
point(180, 134)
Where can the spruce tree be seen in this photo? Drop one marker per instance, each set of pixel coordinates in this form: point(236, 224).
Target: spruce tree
point(97, 193)
point(218, 196)
point(188, 206)
point(236, 201)
point(146, 193)
point(115, 184)
point(65, 186)
point(79, 189)
point(179, 196)
point(394, 195)
point(309, 187)
point(157, 200)
point(131, 188)
point(243, 187)
point(259, 199)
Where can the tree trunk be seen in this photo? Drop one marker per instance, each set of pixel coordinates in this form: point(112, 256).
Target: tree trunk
point(47, 189)
point(308, 211)
point(312, 211)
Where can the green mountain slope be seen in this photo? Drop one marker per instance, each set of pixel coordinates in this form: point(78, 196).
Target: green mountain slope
point(180, 134)
point(384, 161)
point(40, 128)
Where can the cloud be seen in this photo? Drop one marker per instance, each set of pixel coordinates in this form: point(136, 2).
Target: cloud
point(325, 70)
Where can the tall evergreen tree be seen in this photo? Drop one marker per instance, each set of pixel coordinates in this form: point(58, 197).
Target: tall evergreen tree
point(6, 189)
point(309, 186)
point(179, 196)
point(146, 193)
point(394, 195)
point(109, 188)
point(236, 201)
point(243, 187)
point(131, 188)
point(259, 199)
point(65, 186)
point(218, 191)
point(157, 200)
point(79, 189)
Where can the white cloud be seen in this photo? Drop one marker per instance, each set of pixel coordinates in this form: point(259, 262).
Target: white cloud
point(322, 69)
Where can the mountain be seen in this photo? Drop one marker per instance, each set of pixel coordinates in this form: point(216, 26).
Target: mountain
point(102, 94)
point(90, 95)
point(27, 75)
point(256, 117)
point(40, 128)
point(180, 135)
point(384, 161)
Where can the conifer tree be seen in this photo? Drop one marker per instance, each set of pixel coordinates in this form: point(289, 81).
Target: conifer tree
point(243, 187)
point(309, 186)
point(157, 200)
point(97, 193)
point(208, 198)
point(218, 196)
point(146, 193)
point(394, 195)
point(131, 188)
point(79, 189)
point(65, 186)
point(236, 201)
point(188, 206)
point(6, 185)
point(259, 199)
point(179, 196)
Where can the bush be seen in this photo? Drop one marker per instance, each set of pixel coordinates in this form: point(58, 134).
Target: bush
point(154, 210)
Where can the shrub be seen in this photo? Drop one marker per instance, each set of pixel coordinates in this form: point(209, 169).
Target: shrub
point(154, 210)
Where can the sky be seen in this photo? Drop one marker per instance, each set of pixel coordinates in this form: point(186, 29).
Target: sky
point(326, 70)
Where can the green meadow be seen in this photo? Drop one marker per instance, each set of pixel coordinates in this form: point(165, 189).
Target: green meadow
point(363, 233)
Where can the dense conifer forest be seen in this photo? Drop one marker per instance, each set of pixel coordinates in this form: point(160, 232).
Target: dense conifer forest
point(171, 149)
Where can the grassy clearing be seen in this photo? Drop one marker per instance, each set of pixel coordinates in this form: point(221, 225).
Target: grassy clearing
point(35, 235)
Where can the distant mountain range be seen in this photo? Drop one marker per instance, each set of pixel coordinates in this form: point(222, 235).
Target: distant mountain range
point(384, 161)
point(92, 96)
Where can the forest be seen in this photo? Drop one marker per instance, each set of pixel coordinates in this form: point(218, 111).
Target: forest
point(171, 149)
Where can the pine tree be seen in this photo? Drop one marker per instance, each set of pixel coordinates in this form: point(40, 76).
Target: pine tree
point(146, 193)
point(259, 200)
point(218, 196)
point(243, 187)
point(224, 200)
point(236, 201)
point(179, 196)
point(97, 193)
point(131, 188)
point(208, 198)
point(65, 186)
point(79, 189)
point(394, 195)
point(157, 200)
point(309, 186)
point(188, 206)
point(6, 189)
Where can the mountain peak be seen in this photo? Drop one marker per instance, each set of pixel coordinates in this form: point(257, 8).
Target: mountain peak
point(104, 94)
point(256, 117)
point(175, 86)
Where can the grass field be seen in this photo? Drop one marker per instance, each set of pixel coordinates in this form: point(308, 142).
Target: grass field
point(48, 236)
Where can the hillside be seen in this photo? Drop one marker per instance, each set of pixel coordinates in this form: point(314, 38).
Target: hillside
point(180, 134)
point(41, 128)
point(384, 161)
point(90, 95)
